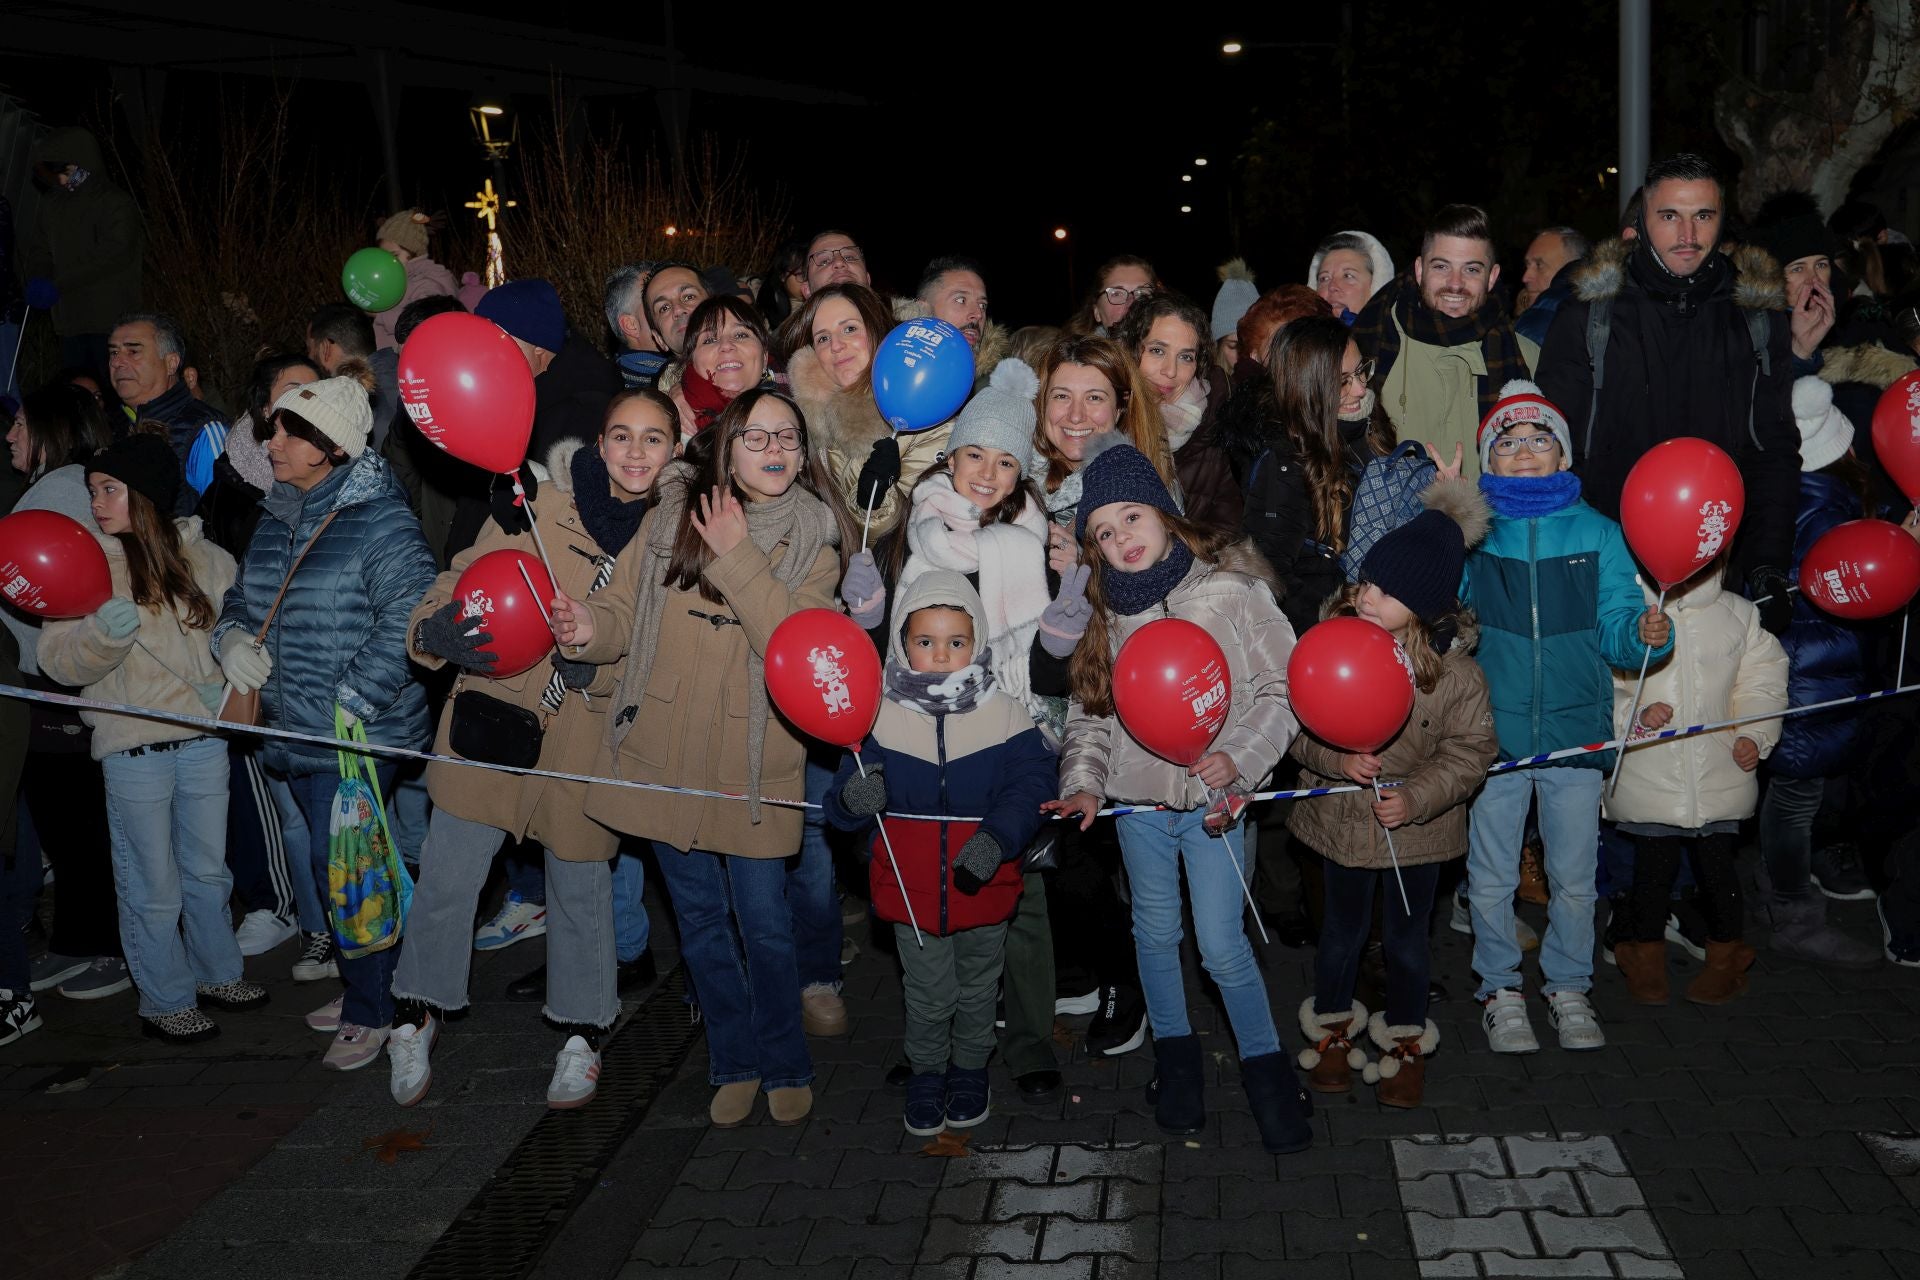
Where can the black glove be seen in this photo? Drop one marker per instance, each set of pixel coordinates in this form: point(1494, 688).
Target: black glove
point(976, 863)
point(446, 635)
point(575, 675)
point(504, 504)
point(880, 473)
point(1772, 594)
point(866, 796)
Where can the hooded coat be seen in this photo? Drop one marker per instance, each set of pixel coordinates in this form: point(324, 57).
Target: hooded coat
point(989, 764)
point(844, 425)
point(89, 242)
point(1671, 374)
point(1376, 254)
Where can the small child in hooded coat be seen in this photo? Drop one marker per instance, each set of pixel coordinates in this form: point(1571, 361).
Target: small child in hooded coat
point(946, 742)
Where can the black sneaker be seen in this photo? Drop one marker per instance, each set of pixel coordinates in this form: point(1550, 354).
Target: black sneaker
point(17, 1015)
point(1120, 1025)
point(1837, 873)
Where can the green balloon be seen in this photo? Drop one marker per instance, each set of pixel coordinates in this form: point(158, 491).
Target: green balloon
point(374, 280)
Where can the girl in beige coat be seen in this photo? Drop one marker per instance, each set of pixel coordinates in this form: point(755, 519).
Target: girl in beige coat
point(738, 541)
point(476, 811)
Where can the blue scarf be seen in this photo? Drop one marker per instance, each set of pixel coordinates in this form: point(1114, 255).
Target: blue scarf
point(1524, 497)
point(1131, 593)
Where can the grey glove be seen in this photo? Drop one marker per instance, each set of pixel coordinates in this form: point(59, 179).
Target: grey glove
point(976, 863)
point(575, 675)
point(864, 591)
point(450, 634)
point(1065, 620)
point(865, 796)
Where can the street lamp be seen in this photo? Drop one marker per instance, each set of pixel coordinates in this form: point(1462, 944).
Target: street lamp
point(1059, 233)
point(496, 131)
point(1200, 162)
point(1232, 46)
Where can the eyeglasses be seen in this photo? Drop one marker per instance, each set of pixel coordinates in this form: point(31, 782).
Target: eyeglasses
point(1507, 446)
point(758, 438)
point(1362, 374)
point(825, 258)
point(1116, 295)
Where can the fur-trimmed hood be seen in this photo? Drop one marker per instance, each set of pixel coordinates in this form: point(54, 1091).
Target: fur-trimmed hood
point(995, 340)
point(846, 421)
point(1460, 500)
point(1869, 362)
point(559, 473)
point(1244, 557)
point(1758, 281)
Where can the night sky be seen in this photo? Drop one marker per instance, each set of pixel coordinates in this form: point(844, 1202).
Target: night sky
point(985, 133)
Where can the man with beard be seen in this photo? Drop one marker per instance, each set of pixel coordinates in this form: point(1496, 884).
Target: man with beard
point(671, 293)
point(955, 290)
point(1440, 342)
point(1667, 336)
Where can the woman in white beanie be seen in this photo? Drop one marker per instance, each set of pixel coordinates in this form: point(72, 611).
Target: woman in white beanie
point(338, 538)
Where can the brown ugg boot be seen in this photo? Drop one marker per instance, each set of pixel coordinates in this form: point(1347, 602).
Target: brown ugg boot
point(1331, 1057)
point(1725, 975)
point(1644, 966)
point(1533, 876)
point(1400, 1077)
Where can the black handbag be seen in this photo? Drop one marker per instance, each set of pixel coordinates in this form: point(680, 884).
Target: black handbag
point(494, 732)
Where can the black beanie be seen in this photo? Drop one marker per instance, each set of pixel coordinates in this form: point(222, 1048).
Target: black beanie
point(1801, 236)
point(1419, 565)
point(146, 464)
point(1115, 471)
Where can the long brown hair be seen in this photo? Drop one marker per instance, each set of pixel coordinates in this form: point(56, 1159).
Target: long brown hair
point(710, 454)
point(157, 564)
point(874, 314)
point(1139, 416)
point(1304, 365)
point(1416, 637)
point(1091, 669)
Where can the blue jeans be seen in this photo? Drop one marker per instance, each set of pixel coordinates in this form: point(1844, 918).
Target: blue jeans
point(736, 937)
point(1153, 846)
point(1569, 811)
point(407, 811)
point(811, 898)
point(631, 928)
point(294, 837)
point(369, 979)
point(167, 819)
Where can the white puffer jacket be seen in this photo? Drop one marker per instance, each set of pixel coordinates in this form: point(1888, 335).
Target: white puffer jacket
point(1723, 666)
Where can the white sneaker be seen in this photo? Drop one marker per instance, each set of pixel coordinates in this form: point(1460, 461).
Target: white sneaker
point(1072, 1006)
point(1462, 921)
point(408, 1048)
point(576, 1075)
point(1575, 1022)
point(262, 931)
point(516, 921)
point(1504, 1014)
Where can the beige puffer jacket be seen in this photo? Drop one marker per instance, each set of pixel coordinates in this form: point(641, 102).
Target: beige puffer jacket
point(1723, 666)
point(1233, 601)
point(156, 667)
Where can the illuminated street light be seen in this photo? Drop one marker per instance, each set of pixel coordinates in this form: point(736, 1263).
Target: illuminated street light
point(1231, 46)
point(1200, 162)
point(1186, 177)
point(1059, 233)
point(1186, 208)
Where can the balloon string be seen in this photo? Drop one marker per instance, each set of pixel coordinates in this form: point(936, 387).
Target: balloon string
point(533, 524)
point(1393, 855)
point(873, 497)
point(13, 366)
point(541, 605)
point(898, 879)
point(1240, 870)
point(1633, 712)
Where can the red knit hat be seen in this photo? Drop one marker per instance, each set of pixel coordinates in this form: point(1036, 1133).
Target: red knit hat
point(1522, 402)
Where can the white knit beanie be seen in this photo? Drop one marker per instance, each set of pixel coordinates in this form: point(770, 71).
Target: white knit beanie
point(1001, 415)
point(1825, 433)
point(337, 407)
point(1522, 401)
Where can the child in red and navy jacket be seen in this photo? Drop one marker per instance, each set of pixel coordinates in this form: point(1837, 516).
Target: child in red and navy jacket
point(946, 743)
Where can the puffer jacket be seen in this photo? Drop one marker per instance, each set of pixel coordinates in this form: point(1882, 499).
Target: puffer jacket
point(1827, 656)
point(90, 242)
point(1232, 601)
point(545, 809)
point(1558, 603)
point(155, 667)
point(843, 426)
point(990, 763)
point(1723, 666)
point(1441, 757)
point(341, 633)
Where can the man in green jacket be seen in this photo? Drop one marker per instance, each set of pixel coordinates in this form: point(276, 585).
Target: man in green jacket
point(87, 239)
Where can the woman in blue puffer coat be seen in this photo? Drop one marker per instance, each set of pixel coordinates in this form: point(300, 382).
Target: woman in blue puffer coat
point(1829, 658)
point(339, 638)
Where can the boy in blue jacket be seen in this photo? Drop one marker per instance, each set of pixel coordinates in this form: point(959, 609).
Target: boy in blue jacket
point(946, 742)
point(1559, 604)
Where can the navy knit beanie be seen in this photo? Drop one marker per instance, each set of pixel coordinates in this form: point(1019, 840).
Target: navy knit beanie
point(146, 464)
point(1419, 564)
point(528, 310)
point(1115, 471)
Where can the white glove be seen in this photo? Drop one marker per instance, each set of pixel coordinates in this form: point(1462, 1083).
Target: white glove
point(245, 667)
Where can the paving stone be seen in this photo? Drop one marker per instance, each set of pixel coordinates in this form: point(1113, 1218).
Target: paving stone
point(894, 1242)
point(1530, 1155)
point(1026, 1164)
point(1434, 1236)
point(1581, 1264)
point(742, 1208)
point(1355, 1194)
point(1240, 1198)
point(1136, 1238)
point(1635, 1267)
point(1814, 1116)
point(1717, 1151)
point(1433, 1194)
point(1359, 1124)
point(1779, 1153)
point(1695, 1235)
point(1553, 1190)
point(1839, 1234)
point(1416, 1158)
point(1384, 1234)
point(1141, 1164)
point(966, 1202)
point(1643, 1119)
point(1803, 1188)
point(798, 1204)
point(1606, 1193)
point(1184, 1239)
point(1870, 1192)
point(945, 1238)
point(1015, 1199)
point(1631, 1229)
point(857, 1167)
point(1454, 1264)
point(709, 1173)
point(1195, 1198)
point(903, 1202)
point(718, 1241)
point(995, 1269)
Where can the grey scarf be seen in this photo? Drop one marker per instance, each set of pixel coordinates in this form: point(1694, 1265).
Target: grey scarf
point(940, 693)
point(796, 518)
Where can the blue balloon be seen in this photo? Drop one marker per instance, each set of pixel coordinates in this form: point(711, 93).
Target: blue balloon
point(922, 374)
point(42, 293)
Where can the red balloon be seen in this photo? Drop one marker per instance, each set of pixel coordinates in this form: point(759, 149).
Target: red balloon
point(1350, 683)
point(1681, 505)
point(1172, 690)
point(497, 596)
point(1896, 433)
point(824, 675)
point(1862, 569)
point(52, 566)
point(469, 390)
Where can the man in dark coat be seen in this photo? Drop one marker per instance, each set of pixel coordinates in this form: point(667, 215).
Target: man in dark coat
point(572, 382)
point(144, 355)
point(1696, 344)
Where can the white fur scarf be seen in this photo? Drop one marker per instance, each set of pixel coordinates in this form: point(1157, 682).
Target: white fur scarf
point(944, 532)
point(1183, 417)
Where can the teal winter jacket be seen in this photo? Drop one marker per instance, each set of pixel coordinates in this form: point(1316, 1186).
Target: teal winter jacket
point(1559, 605)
